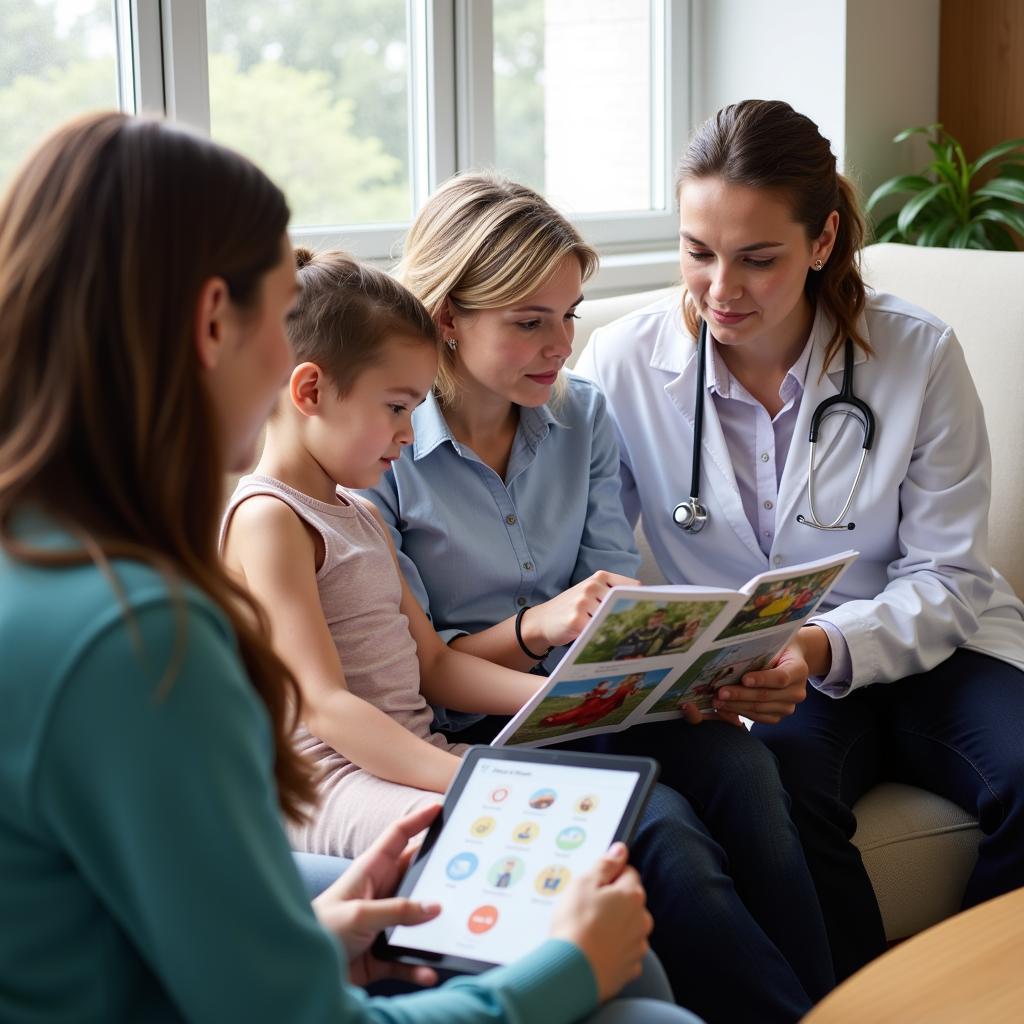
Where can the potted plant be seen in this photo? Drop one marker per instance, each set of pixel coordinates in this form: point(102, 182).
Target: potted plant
point(946, 207)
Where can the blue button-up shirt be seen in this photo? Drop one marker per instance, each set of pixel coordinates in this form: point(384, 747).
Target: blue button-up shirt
point(476, 548)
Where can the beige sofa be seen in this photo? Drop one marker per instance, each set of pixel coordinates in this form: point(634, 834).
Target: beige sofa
point(919, 848)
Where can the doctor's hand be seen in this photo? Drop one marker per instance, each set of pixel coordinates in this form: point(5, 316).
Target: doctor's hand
point(562, 619)
point(772, 694)
point(360, 903)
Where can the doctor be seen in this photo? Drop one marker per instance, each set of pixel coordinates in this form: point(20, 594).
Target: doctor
point(916, 665)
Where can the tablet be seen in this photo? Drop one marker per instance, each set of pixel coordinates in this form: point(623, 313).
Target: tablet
point(516, 827)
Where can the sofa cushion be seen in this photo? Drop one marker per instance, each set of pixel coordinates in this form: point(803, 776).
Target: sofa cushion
point(919, 850)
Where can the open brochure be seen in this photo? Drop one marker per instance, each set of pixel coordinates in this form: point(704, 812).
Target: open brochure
point(649, 650)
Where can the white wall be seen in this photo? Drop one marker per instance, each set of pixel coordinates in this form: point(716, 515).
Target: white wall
point(861, 69)
point(790, 50)
point(892, 82)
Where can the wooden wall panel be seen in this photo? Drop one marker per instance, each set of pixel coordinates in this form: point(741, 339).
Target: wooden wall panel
point(981, 71)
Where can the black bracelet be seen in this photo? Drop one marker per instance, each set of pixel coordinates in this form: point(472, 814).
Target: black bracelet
point(519, 636)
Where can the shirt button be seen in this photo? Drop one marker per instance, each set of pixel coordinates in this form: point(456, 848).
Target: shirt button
point(777, 560)
point(520, 601)
point(765, 456)
point(510, 519)
point(768, 505)
point(527, 566)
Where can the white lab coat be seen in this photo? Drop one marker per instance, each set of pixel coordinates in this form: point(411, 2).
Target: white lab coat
point(923, 584)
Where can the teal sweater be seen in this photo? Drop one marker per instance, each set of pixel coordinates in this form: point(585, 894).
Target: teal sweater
point(144, 873)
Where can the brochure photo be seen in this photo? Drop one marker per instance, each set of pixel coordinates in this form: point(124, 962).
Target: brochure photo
point(650, 650)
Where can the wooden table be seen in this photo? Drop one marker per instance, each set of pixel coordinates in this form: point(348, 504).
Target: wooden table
point(966, 970)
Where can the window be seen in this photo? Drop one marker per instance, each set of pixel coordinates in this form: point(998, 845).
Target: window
point(57, 58)
point(318, 95)
point(563, 73)
point(359, 108)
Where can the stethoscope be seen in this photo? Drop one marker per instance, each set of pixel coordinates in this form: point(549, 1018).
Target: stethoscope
point(692, 515)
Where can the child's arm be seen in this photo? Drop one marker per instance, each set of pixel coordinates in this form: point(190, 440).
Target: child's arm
point(276, 553)
point(453, 678)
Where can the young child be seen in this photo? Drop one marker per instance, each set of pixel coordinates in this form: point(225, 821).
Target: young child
point(317, 558)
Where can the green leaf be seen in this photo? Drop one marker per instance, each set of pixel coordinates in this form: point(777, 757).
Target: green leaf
point(921, 129)
point(938, 232)
point(1003, 188)
point(913, 207)
point(904, 183)
point(1012, 171)
point(1013, 219)
point(891, 235)
point(998, 238)
point(948, 172)
point(978, 238)
point(961, 237)
point(996, 152)
point(886, 229)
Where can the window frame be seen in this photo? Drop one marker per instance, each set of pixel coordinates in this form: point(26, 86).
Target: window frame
point(451, 124)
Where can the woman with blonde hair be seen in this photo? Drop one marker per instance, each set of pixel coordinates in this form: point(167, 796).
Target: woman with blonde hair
point(509, 526)
point(146, 762)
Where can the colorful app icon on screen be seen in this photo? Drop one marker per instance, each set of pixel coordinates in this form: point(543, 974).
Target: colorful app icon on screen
point(505, 872)
point(552, 880)
point(571, 838)
point(483, 919)
point(543, 799)
point(525, 832)
point(499, 795)
point(461, 866)
point(587, 803)
point(482, 827)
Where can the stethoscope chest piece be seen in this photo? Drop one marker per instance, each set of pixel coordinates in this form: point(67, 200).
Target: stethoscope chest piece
point(690, 515)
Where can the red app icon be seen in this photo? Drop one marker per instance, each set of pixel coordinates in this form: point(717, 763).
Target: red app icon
point(483, 919)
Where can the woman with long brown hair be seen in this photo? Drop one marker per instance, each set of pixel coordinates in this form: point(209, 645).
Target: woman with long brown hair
point(145, 279)
point(921, 639)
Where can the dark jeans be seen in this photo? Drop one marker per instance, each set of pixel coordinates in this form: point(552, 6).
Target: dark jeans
point(737, 923)
point(955, 730)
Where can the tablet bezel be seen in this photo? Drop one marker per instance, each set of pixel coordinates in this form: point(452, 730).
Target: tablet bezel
point(646, 769)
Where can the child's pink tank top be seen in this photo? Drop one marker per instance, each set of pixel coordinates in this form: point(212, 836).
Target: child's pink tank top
point(360, 593)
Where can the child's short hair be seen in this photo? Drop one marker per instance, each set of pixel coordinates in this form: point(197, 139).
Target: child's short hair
point(346, 311)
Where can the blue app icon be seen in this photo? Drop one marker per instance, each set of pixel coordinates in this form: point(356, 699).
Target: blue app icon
point(461, 866)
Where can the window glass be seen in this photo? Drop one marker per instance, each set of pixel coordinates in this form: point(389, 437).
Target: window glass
point(572, 98)
point(57, 58)
point(316, 92)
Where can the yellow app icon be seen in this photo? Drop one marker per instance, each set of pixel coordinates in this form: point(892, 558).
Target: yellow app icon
point(482, 827)
point(552, 880)
point(525, 832)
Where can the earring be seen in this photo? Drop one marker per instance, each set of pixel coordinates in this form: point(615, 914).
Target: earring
point(819, 264)
point(451, 343)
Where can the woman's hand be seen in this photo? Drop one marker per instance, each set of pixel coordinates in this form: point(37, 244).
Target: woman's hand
point(772, 694)
point(694, 716)
point(357, 906)
point(604, 913)
point(562, 619)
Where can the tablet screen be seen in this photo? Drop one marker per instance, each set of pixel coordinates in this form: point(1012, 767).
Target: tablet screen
point(518, 835)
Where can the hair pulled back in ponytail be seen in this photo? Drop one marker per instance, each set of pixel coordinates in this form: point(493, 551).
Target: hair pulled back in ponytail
point(766, 144)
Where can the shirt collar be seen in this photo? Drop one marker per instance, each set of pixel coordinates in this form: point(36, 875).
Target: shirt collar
point(718, 379)
point(431, 429)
